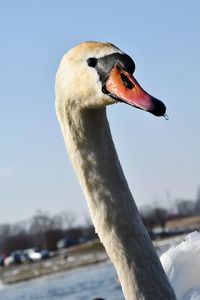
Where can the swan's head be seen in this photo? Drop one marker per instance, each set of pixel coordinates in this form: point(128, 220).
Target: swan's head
point(94, 74)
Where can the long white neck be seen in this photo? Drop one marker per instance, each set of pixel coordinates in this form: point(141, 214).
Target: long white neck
point(112, 208)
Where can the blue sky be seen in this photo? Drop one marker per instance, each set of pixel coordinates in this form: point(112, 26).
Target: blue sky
point(160, 158)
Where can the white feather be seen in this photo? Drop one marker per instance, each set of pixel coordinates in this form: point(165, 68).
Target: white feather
point(182, 264)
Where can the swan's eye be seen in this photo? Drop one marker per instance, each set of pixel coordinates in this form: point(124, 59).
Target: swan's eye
point(127, 82)
point(92, 61)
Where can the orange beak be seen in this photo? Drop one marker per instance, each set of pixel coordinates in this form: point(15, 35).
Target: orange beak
point(122, 86)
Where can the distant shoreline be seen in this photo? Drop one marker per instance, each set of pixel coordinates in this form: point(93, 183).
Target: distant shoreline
point(67, 259)
point(86, 254)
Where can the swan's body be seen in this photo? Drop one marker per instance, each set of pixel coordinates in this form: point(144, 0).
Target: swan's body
point(182, 264)
point(91, 76)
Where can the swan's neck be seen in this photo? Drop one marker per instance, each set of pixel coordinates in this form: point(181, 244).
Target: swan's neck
point(112, 208)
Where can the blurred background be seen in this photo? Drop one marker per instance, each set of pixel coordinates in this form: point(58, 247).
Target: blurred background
point(39, 192)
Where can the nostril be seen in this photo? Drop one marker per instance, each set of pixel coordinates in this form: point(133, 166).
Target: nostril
point(127, 82)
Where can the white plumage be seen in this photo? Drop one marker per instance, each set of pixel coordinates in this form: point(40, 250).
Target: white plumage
point(182, 266)
point(91, 76)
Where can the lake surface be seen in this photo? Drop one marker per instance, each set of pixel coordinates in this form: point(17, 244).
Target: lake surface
point(84, 283)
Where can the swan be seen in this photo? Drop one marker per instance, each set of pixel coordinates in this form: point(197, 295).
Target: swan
point(91, 76)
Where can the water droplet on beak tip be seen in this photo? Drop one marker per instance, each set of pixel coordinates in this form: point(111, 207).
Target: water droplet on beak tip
point(166, 117)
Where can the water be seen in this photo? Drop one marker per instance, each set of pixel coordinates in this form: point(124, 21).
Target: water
point(84, 283)
point(79, 284)
point(166, 117)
